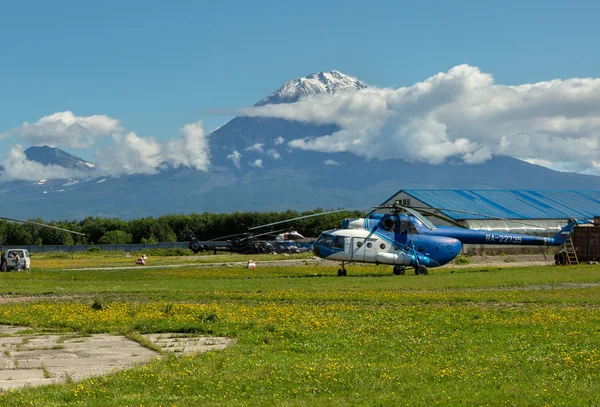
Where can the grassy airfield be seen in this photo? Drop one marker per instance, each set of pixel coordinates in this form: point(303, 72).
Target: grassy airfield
point(304, 337)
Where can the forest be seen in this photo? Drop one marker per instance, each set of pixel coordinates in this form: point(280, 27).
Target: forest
point(168, 228)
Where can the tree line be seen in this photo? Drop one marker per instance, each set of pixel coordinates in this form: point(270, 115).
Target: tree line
point(168, 228)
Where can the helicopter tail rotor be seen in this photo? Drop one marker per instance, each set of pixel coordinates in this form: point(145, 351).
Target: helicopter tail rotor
point(194, 244)
point(561, 237)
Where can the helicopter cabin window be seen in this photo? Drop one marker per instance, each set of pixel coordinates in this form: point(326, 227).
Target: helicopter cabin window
point(369, 245)
point(358, 244)
point(338, 242)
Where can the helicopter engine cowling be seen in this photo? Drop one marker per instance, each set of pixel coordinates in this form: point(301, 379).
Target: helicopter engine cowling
point(388, 224)
point(353, 223)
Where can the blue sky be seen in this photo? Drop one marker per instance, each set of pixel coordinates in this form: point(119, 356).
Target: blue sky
point(157, 66)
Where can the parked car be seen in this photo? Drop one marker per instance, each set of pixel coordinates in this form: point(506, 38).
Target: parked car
point(24, 260)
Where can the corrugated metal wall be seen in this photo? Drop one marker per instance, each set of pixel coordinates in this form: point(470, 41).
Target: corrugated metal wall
point(586, 240)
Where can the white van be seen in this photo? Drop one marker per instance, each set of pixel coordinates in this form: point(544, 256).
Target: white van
point(24, 260)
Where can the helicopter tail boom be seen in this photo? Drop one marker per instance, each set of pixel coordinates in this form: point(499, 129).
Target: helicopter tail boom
point(470, 236)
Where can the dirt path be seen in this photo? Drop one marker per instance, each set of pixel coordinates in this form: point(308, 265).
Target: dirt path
point(518, 260)
point(474, 261)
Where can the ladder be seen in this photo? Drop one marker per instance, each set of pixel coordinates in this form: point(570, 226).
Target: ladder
point(571, 253)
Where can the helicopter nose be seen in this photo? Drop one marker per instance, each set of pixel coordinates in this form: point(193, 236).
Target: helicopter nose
point(316, 250)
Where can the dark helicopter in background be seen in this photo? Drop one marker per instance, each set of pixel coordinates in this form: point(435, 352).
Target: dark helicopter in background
point(281, 241)
point(405, 238)
point(250, 243)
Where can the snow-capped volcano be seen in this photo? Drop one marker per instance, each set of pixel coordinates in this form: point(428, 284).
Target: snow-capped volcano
point(322, 82)
point(253, 168)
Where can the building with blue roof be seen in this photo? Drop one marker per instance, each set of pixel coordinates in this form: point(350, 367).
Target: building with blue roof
point(521, 211)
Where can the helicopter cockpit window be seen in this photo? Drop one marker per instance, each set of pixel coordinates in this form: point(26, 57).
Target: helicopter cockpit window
point(327, 240)
point(338, 242)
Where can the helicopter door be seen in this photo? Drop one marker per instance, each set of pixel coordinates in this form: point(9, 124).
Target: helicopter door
point(348, 247)
point(363, 249)
point(357, 249)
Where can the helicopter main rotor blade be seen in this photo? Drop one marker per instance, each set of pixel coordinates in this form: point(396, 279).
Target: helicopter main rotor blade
point(300, 217)
point(396, 208)
point(225, 237)
point(272, 232)
point(442, 217)
point(42, 225)
point(486, 216)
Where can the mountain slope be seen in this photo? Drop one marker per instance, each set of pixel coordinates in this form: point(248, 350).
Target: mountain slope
point(48, 155)
point(185, 191)
point(285, 179)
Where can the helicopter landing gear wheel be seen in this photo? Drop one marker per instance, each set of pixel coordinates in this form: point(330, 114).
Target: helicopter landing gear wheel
point(421, 270)
point(399, 270)
point(342, 271)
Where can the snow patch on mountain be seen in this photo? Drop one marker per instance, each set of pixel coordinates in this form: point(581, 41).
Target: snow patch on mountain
point(70, 183)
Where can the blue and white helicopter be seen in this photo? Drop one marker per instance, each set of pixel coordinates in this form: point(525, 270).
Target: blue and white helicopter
point(404, 238)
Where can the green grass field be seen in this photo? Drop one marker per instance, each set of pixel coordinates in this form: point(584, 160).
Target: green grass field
point(304, 337)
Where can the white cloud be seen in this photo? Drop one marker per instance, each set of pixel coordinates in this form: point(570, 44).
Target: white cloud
point(274, 154)
point(236, 157)
point(128, 154)
point(18, 167)
point(258, 148)
point(460, 113)
point(535, 161)
point(257, 163)
point(331, 162)
point(279, 140)
point(131, 154)
point(65, 129)
point(192, 151)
